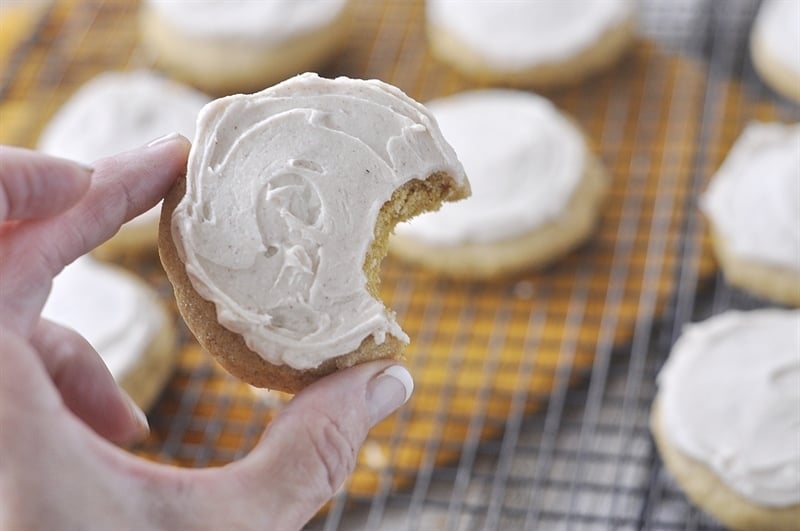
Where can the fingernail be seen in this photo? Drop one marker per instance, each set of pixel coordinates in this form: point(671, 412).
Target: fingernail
point(388, 391)
point(163, 139)
point(139, 417)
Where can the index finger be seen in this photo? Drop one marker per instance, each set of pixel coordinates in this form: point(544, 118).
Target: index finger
point(33, 185)
point(35, 251)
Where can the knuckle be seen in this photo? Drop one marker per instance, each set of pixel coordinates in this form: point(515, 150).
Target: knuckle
point(66, 345)
point(333, 452)
point(62, 348)
point(120, 198)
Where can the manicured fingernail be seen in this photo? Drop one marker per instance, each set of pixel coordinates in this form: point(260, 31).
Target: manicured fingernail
point(139, 417)
point(163, 139)
point(388, 391)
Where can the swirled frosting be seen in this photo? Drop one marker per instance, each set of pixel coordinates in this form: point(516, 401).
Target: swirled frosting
point(517, 35)
point(117, 314)
point(284, 188)
point(730, 397)
point(778, 26)
point(119, 111)
point(271, 21)
point(753, 201)
point(524, 160)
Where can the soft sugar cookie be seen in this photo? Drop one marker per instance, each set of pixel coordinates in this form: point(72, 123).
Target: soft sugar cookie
point(123, 319)
point(775, 46)
point(726, 418)
point(227, 47)
point(541, 43)
point(753, 206)
point(274, 239)
point(536, 188)
point(115, 112)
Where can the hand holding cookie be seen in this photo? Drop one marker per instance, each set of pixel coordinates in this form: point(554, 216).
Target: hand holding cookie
point(60, 407)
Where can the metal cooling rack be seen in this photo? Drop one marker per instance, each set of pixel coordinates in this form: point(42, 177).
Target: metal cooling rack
point(533, 392)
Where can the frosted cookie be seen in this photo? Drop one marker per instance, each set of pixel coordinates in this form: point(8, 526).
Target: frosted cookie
point(536, 189)
point(115, 112)
point(274, 239)
point(726, 418)
point(542, 43)
point(753, 206)
point(775, 46)
point(226, 47)
point(123, 319)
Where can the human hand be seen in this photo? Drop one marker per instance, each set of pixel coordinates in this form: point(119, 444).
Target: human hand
point(60, 408)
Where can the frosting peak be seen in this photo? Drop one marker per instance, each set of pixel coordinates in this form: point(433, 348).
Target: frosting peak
point(284, 188)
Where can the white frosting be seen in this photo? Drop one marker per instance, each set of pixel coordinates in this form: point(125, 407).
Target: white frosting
point(753, 201)
point(119, 111)
point(271, 21)
point(730, 397)
point(117, 314)
point(283, 192)
point(524, 160)
point(778, 27)
point(517, 35)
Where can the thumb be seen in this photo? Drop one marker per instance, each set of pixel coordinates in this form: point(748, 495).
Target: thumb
point(310, 448)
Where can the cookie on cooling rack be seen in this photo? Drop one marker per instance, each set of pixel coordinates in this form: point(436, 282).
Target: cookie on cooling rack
point(726, 419)
point(542, 43)
point(775, 46)
point(753, 206)
point(274, 239)
point(123, 319)
point(115, 112)
point(536, 188)
point(229, 47)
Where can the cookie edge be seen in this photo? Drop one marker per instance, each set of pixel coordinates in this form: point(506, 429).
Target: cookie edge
point(704, 488)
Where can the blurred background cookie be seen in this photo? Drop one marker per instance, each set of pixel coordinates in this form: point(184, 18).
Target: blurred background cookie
point(123, 319)
point(115, 112)
point(228, 47)
point(726, 418)
point(536, 188)
point(753, 206)
point(541, 43)
point(775, 46)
